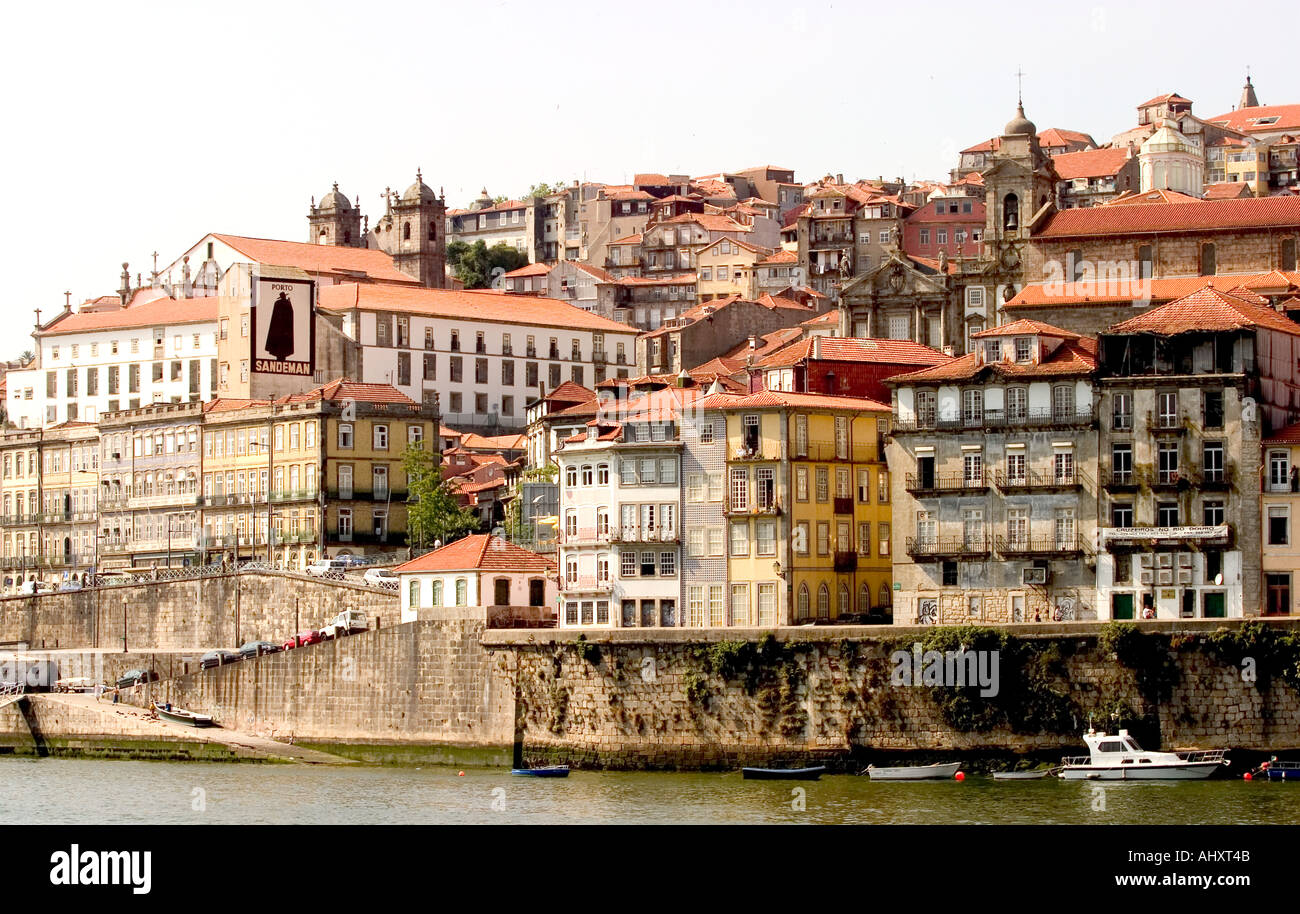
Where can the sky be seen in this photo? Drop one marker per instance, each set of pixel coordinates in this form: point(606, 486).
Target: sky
point(130, 128)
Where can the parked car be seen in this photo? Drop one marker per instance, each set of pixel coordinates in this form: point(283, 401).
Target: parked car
point(322, 567)
point(376, 576)
point(31, 588)
point(218, 658)
point(258, 648)
point(70, 586)
point(302, 638)
point(345, 623)
point(135, 677)
point(351, 561)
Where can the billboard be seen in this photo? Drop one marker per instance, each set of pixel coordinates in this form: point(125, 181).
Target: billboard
point(283, 326)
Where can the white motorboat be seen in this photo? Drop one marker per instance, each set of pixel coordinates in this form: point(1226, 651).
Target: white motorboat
point(1118, 757)
point(938, 771)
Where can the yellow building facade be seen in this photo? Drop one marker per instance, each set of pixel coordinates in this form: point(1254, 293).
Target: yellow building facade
point(807, 506)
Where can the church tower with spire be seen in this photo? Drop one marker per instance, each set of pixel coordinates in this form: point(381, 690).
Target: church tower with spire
point(335, 221)
point(411, 230)
point(1248, 97)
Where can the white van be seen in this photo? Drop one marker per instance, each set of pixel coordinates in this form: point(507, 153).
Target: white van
point(322, 567)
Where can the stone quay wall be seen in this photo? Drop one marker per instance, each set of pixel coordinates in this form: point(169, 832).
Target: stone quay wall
point(223, 610)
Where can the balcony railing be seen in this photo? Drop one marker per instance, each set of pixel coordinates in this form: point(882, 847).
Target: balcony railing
point(1126, 480)
point(919, 484)
point(586, 535)
point(933, 549)
point(996, 419)
point(1033, 479)
point(753, 508)
point(1165, 423)
point(643, 535)
point(1048, 545)
point(584, 583)
point(826, 453)
point(293, 495)
point(382, 495)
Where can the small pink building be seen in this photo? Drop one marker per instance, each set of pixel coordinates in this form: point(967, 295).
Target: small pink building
point(480, 570)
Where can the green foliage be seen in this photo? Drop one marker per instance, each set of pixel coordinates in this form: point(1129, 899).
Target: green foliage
point(1269, 652)
point(542, 189)
point(697, 689)
point(432, 512)
point(547, 472)
point(587, 651)
point(1032, 695)
point(1148, 654)
point(476, 265)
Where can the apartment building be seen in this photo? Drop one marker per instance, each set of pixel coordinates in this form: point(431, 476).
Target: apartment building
point(847, 230)
point(647, 302)
point(20, 495)
point(671, 246)
point(807, 507)
point(108, 357)
point(620, 512)
point(996, 507)
point(726, 267)
point(150, 489)
point(518, 224)
point(704, 331)
point(482, 354)
point(1279, 509)
point(1092, 177)
point(1188, 391)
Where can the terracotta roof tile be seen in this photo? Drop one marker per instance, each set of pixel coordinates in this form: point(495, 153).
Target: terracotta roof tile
point(158, 312)
point(852, 349)
point(465, 305)
point(1090, 163)
point(480, 552)
point(1247, 120)
point(779, 399)
point(1207, 309)
point(319, 258)
point(1157, 291)
point(1288, 435)
point(1024, 326)
point(1208, 215)
point(1073, 358)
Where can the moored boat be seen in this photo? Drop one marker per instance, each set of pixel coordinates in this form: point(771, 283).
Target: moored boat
point(1274, 770)
point(937, 771)
point(784, 774)
point(548, 771)
point(1033, 774)
point(177, 715)
point(1118, 757)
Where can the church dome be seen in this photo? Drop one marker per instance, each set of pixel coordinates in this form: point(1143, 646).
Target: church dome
point(419, 192)
point(1167, 138)
point(1020, 125)
point(335, 200)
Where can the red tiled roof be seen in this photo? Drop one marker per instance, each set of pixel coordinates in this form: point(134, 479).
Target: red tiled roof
point(1157, 291)
point(830, 317)
point(319, 258)
point(1059, 136)
point(1209, 215)
point(1207, 309)
point(532, 269)
point(1288, 435)
point(1090, 163)
point(571, 392)
point(1136, 197)
point(591, 270)
point(780, 257)
point(630, 239)
point(1073, 358)
point(158, 312)
point(1024, 326)
point(778, 398)
point(1246, 119)
point(676, 279)
point(225, 404)
point(1227, 190)
point(768, 343)
point(852, 349)
point(496, 442)
point(465, 305)
point(348, 389)
point(480, 552)
point(712, 222)
point(1170, 97)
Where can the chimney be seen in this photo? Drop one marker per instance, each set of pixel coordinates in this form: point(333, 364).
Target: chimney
point(185, 277)
point(839, 179)
point(817, 346)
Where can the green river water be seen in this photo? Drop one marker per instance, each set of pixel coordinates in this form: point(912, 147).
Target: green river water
point(73, 791)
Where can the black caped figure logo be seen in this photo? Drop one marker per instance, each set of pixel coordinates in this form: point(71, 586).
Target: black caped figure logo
point(279, 332)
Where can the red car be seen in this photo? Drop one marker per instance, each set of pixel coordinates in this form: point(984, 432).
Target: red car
point(301, 639)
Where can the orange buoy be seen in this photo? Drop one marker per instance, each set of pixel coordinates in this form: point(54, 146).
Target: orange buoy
point(960, 775)
point(461, 774)
point(1247, 777)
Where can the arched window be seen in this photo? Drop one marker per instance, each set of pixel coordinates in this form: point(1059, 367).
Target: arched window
point(864, 598)
point(823, 602)
point(885, 598)
point(437, 593)
point(323, 237)
point(803, 601)
point(460, 591)
point(844, 606)
point(1010, 213)
point(406, 231)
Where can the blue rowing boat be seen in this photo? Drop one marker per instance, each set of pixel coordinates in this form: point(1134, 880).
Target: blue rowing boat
point(1281, 771)
point(549, 771)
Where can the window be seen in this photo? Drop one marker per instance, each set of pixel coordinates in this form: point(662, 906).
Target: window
point(1279, 471)
point(1279, 525)
point(973, 468)
point(1121, 514)
point(740, 538)
point(1122, 412)
point(972, 407)
point(864, 487)
point(823, 538)
point(706, 432)
point(1278, 594)
point(381, 437)
point(801, 483)
point(842, 438)
point(1207, 260)
point(766, 538)
point(1063, 402)
point(882, 486)
point(345, 436)
point(1212, 413)
point(1212, 461)
point(740, 604)
point(823, 484)
point(1167, 463)
point(739, 490)
point(1212, 512)
point(1167, 409)
point(1167, 514)
point(801, 435)
point(627, 563)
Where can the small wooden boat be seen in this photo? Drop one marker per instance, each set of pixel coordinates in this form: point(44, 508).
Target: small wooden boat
point(548, 771)
point(784, 774)
point(181, 716)
point(1033, 774)
point(937, 771)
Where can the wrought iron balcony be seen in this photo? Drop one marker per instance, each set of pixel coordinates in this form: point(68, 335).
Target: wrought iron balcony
point(939, 548)
point(993, 419)
point(1033, 479)
point(957, 484)
point(1042, 546)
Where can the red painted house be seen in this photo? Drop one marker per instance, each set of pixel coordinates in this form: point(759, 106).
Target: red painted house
point(842, 366)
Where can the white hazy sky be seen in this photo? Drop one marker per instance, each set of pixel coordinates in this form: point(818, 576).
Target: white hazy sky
point(137, 127)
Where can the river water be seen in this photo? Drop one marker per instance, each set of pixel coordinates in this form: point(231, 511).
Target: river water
point(72, 791)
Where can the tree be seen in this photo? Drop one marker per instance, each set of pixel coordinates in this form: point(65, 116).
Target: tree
point(432, 512)
point(542, 189)
point(477, 265)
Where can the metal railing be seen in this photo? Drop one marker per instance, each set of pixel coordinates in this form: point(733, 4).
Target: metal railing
point(917, 483)
point(1048, 544)
point(947, 546)
point(1034, 479)
point(996, 419)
